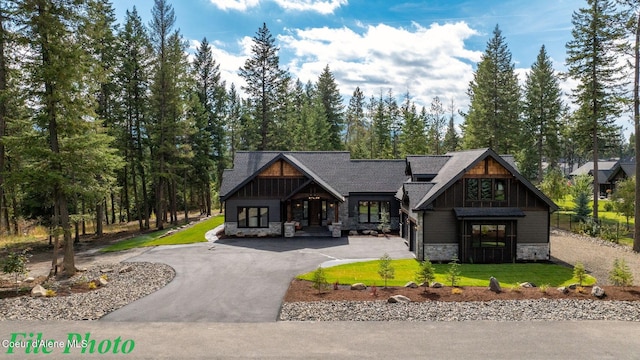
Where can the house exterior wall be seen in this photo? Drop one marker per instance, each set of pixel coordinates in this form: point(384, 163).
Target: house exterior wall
point(533, 228)
point(231, 216)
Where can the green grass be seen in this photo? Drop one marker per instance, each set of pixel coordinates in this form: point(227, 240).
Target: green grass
point(190, 235)
point(472, 274)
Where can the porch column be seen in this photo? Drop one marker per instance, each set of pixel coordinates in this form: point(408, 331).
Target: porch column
point(335, 211)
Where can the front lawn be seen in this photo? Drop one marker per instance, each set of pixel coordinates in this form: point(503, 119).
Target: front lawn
point(472, 274)
point(190, 235)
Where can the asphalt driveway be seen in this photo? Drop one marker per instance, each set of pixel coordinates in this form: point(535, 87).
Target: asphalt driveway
point(242, 280)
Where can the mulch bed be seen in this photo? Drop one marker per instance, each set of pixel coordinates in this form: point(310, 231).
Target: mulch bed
point(301, 290)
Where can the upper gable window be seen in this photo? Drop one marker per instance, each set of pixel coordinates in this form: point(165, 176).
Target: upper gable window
point(485, 189)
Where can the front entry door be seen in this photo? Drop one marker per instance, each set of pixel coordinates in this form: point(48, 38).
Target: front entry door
point(315, 213)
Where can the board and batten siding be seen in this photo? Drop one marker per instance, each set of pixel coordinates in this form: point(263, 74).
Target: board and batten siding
point(440, 227)
point(533, 228)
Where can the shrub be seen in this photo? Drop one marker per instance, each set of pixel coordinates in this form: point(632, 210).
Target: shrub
point(51, 293)
point(456, 291)
point(453, 274)
point(92, 285)
point(319, 280)
point(426, 273)
point(608, 206)
point(543, 288)
point(609, 233)
point(579, 272)
point(385, 269)
point(621, 275)
point(16, 264)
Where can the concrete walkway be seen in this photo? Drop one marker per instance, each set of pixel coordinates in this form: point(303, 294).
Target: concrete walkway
point(242, 280)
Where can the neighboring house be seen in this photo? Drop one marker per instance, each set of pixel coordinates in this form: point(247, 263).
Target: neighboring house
point(609, 173)
point(473, 205)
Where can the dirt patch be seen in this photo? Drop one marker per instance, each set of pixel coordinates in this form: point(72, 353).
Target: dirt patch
point(302, 290)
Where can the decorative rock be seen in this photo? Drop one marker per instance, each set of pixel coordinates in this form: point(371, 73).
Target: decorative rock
point(358, 286)
point(102, 282)
point(29, 279)
point(398, 299)
point(366, 232)
point(526, 285)
point(563, 289)
point(573, 286)
point(598, 292)
point(38, 291)
point(373, 233)
point(411, 284)
point(125, 269)
point(262, 234)
point(494, 285)
point(436, 285)
point(353, 232)
point(104, 271)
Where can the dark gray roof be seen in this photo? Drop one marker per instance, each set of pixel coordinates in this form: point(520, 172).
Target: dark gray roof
point(425, 164)
point(628, 168)
point(588, 167)
point(462, 161)
point(333, 170)
point(415, 191)
point(488, 212)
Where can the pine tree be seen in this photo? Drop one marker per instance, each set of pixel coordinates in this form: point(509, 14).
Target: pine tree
point(494, 111)
point(413, 140)
point(437, 122)
point(356, 127)
point(451, 140)
point(264, 80)
point(133, 77)
point(592, 60)
point(332, 102)
point(542, 109)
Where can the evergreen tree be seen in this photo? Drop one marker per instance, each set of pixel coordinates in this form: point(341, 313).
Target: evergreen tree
point(451, 140)
point(68, 149)
point(265, 82)
point(333, 109)
point(133, 78)
point(413, 140)
point(494, 111)
point(209, 146)
point(437, 121)
point(592, 60)
point(542, 109)
point(356, 126)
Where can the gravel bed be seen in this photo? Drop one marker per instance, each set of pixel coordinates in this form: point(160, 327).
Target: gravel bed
point(122, 289)
point(497, 310)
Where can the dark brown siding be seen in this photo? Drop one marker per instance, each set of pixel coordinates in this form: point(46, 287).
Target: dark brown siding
point(533, 228)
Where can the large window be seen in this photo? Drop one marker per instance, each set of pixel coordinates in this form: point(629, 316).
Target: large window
point(253, 217)
point(486, 189)
point(492, 236)
point(369, 211)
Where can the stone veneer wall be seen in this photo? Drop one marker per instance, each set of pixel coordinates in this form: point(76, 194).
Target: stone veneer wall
point(532, 252)
point(231, 228)
point(440, 252)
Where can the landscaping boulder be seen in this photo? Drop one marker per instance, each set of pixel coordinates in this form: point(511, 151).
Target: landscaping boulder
point(563, 289)
point(353, 232)
point(358, 286)
point(102, 282)
point(527, 285)
point(573, 286)
point(29, 279)
point(373, 233)
point(106, 270)
point(125, 269)
point(398, 299)
point(38, 291)
point(598, 292)
point(366, 232)
point(436, 285)
point(411, 284)
point(494, 285)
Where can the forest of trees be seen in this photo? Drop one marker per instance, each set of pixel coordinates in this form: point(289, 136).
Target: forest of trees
point(112, 121)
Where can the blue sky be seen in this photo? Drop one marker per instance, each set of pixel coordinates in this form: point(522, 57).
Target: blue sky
point(428, 48)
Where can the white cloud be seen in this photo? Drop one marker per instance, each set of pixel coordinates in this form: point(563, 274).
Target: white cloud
point(427, 62)
point(240, 5)
point(319, 6)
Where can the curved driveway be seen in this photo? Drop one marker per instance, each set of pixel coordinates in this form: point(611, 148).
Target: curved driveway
point(242, 280)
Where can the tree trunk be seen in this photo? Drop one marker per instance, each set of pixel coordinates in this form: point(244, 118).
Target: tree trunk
point(99, 216)
point(4, 223)
point(113, 208)
point(636, 121)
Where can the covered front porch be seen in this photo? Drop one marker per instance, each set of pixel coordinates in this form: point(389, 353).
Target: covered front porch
point(311, 210)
